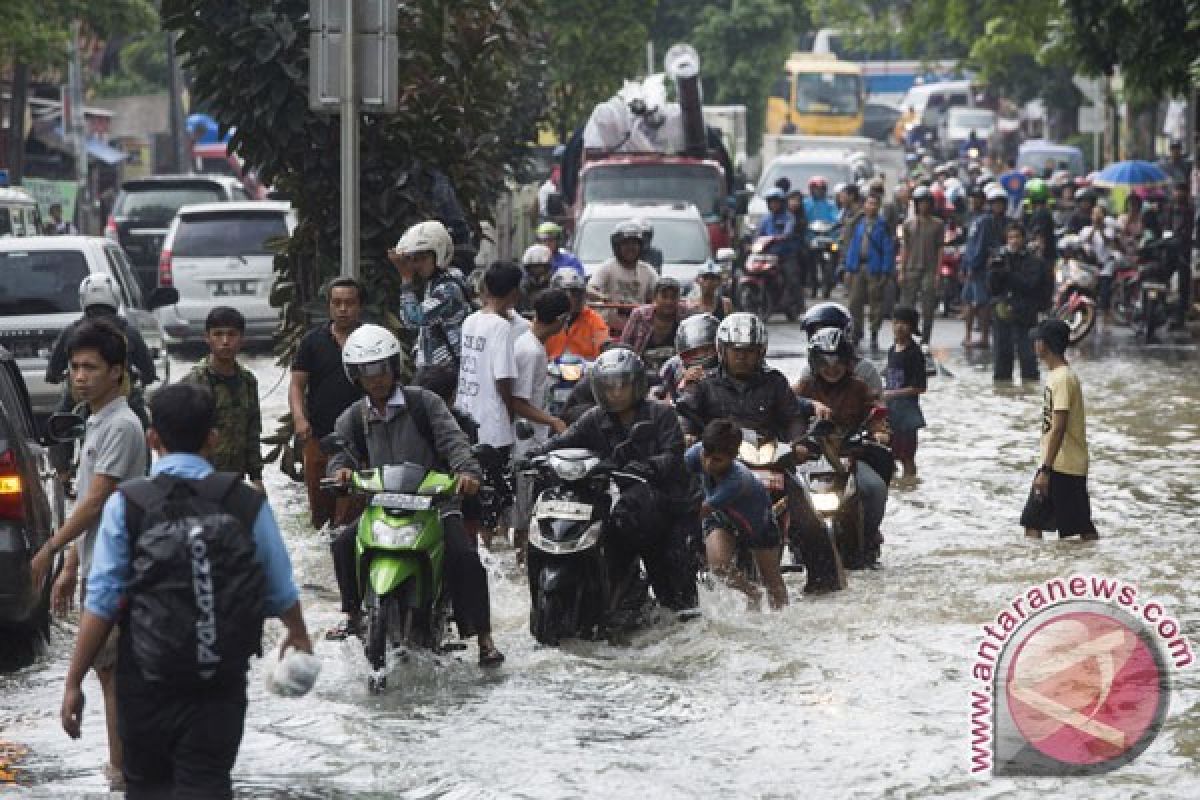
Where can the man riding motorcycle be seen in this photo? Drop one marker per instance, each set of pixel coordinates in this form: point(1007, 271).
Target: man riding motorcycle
point(650, 331)
point(585, 332)
point(695, 355)
point(758, 398)
point(538, 273)
point(817, 206)
point(381, 429)
point(625, 279)
point(655, 521)
point(780, 223)
point(836, 315)
point(831, 357)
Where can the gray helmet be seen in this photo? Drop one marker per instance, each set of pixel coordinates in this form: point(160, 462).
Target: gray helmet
point(568, 280)
point(922, 193)
point(668, 282)
point(629, 230)
point(740, 330)
point(698, 330)
point(829, 346)
point(617, 367)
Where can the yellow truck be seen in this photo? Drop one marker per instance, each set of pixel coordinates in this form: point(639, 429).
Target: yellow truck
point(817, 95)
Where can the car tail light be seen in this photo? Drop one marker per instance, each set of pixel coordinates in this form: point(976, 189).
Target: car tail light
point(110, 228)
point(12, 495)
point(166, 276)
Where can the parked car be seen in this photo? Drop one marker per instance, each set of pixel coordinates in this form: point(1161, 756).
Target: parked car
point(835, 166)
point(39, 297)
point(19, 213)
point(679, 232)
point(145, 207)
point(219, 254)
point(31, 508)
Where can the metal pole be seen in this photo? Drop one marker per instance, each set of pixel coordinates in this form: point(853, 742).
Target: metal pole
point(181, 157)
point(350, 266)
point(649, 58)
point(74, 126)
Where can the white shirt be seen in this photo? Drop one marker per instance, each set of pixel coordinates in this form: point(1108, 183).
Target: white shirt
point(1095, 243)
point(531, 359)
point(487, 357)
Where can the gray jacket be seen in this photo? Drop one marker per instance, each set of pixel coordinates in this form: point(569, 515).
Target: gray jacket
point(399, 440)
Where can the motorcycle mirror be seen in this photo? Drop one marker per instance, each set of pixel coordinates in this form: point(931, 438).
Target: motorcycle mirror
point(63, 427)
point(523, 429)
point(163, 296)
point(331, 444)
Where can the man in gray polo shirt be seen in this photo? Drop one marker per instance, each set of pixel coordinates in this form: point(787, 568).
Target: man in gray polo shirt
point(113, 450)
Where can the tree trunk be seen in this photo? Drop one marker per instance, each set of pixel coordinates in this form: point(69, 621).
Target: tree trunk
point(1141, 120)
point(16, 123)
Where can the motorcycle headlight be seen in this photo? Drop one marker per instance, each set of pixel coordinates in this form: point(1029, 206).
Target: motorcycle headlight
point(386, 535)
point(571, 372)
point(826, 502)
point(569, 470)
point(540, 541)
point(834, 247)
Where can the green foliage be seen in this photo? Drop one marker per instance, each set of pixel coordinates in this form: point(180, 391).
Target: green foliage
point(470, 92)
point(742, 51)
point(36, 31)
point(142, 69)
point(593, 46)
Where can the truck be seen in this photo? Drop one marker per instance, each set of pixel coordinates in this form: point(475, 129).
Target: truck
point(637, 148)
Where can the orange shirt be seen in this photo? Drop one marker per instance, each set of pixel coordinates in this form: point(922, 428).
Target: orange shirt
point(583, 337)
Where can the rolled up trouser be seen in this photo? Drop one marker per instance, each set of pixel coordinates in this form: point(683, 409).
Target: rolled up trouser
point(872, 491)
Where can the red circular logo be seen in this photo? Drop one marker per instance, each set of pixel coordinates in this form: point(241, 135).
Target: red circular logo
point(1085, 688)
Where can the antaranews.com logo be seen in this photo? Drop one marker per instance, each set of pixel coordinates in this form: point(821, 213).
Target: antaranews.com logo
point(1073, 678)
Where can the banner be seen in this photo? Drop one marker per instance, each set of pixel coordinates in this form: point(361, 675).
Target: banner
point(47, 193)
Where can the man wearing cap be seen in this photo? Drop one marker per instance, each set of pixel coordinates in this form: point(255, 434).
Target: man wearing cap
point(1059, 496)
point(709, 297)
point(550, 234)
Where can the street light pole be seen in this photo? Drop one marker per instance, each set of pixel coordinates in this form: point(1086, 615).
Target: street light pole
point(350, 265)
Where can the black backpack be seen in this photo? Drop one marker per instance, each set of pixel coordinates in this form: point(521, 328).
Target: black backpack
point(194, 614)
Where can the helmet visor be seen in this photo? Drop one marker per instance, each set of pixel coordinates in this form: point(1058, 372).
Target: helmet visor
point(372, 369)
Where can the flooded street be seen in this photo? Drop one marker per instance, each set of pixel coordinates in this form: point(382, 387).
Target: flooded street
point(864, 693)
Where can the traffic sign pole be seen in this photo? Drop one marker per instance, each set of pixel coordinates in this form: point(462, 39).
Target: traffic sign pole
point(350, 197)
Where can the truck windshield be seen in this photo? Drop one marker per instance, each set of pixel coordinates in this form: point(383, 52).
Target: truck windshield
point(697, 184)
point(681, 241)
point(828, 93)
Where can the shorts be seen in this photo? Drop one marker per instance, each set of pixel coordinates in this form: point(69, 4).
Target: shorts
point(975, 291)
point(904, 445)
point(766, 537)
point(1065, 508)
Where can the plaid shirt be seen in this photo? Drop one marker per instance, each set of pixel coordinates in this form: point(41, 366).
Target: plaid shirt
point(639, 330)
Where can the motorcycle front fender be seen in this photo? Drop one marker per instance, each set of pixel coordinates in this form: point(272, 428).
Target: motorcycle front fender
point(388, 572)
point(555, 577)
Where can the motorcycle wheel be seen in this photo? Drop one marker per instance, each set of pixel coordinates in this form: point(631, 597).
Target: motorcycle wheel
point(851, 543)
point(383, 615)
point(1080, 321)
point(1123, 302)
point(827, 272)
point(545, 620)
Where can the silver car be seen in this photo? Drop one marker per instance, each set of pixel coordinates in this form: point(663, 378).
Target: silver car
point(39, 297)
point(219, 254)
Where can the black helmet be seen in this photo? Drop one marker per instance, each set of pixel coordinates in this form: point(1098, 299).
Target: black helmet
point(617, 367)
point(827, 315)
point(698, 330)
point(829, 346)
point(629, 231)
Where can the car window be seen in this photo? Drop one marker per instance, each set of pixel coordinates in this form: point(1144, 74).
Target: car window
point(6, 226)
point(223, 233)
point(783, 87)
point(800, 174)
point(163, 201)
point(14, 407)
point(41, 282)
point(240, 193)
point(114, 266)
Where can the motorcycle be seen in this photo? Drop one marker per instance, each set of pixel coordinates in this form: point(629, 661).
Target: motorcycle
point(832, 492)
point(1139, 294)
point(399, 551)
point(572, 594)
point(949, 278)
point(824, 250)
point(769, 461)
point(1075, 297)
point(565, 373)
point(761, 283)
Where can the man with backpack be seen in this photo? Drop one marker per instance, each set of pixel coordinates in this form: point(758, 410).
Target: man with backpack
point(189, 562)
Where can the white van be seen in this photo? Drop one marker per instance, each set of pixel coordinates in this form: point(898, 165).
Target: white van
point(943, 96)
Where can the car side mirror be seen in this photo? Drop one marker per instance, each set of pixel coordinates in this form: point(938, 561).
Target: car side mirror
point(555, 206)
point(743, 200)
point(163, 296)
point(64, 427)
point(523, 429)
point(725, 255)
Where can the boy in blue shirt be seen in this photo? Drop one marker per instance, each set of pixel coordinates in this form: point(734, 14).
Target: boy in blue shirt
point(736, 513)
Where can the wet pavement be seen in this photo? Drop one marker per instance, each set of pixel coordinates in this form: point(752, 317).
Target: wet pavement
point(860, 694)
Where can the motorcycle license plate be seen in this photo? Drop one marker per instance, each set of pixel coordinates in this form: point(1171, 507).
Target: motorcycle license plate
point(562, 395)
point(404, 502)
point(563, 509)
point(772, 480)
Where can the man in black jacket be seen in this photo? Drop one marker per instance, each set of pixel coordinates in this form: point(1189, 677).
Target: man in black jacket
point(1017, 283)
point(666, 511)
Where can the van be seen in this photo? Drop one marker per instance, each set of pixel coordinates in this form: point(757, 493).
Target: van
point(19, 214)
point(939, 96)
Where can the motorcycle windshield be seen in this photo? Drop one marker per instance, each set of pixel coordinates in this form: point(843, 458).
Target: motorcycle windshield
point(403, 478)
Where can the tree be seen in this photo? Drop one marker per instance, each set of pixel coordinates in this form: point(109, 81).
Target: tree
point(141, 69)
point(592, 47)
point(469, 97)
point(743, 46)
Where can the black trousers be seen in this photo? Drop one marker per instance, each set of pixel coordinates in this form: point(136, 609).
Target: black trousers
point(465, 577)
point(1185, 287)
point(1009, 336)
point(177, 745)
point(642, 529)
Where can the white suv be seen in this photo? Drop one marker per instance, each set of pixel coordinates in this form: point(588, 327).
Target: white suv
point(39, 296)
point(218, 254)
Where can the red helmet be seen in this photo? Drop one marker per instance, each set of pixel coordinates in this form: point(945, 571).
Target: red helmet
point(939, 198)
point(816, 182)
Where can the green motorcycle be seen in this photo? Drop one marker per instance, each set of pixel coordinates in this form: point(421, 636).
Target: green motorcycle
point(399, 554)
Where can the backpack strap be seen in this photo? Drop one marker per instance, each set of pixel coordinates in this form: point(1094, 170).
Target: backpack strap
point(224, 489)
point(141, 494)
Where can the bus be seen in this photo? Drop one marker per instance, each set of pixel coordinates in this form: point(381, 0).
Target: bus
point(887, 73)
point(818, 95)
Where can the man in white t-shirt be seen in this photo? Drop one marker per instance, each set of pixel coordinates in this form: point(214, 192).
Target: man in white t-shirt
point(550, 310)
point(487, 369)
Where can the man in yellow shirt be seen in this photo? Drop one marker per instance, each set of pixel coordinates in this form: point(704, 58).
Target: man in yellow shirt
point(1059, 498)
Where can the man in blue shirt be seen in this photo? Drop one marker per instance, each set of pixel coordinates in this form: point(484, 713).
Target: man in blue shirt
point(1013, 182)
point(550, 234)
point(177, 743)
point(817, 206)
point(870, 260)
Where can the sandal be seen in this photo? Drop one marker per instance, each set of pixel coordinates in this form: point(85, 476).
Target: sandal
point(350, 626)
point(491, 657)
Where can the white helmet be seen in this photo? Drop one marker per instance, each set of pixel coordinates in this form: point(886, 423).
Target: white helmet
point(370, 344)
point(994, 191)
point(568, 280)
point(537, 254)
point(99, 289)
point(430, 236)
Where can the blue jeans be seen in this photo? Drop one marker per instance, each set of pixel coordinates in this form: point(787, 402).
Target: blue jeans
point(872, 491)
point(1008, 336)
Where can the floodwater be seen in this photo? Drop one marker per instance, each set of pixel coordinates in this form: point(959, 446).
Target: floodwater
point(860, 694)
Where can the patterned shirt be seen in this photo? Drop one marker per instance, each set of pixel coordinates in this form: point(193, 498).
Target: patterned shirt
point(239, 420)
point(437, 317)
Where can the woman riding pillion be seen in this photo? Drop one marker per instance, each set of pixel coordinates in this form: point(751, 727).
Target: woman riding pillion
point(383, 424)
